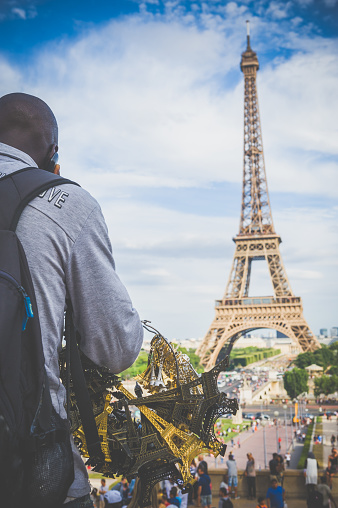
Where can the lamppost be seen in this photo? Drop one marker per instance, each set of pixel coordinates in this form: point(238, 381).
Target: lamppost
point(291, 420)
point(286, 428)
point(263, 423)
point(276, 414)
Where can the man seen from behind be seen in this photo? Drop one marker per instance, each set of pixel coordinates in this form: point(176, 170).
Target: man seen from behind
point(69, 254)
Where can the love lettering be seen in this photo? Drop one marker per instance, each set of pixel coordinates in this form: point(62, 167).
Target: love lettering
point(55, 196)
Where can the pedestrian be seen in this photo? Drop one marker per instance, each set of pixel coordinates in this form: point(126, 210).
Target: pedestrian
point(287, 457)
point(102, 491)
point(310, 473)
point(332, 466)
point(224, 483)
point(65, 238)
point(275, 495)
point(333, 440)
point(280, 469)
point(203, 463)
point(203, 490)
point(261, 503)
point(95, 498)
point(324, 489)
point(232, 475)
point(250, 474)
point(125, 491)
point(274, 465)
point(224, 499)
point(192, 492)
point(173, 497)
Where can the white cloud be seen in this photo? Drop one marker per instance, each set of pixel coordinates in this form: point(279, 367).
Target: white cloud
point(21, 13)
point(304, 3)
point(151, 103)
point(330, 3)
point(278, 10)
point(11, 78)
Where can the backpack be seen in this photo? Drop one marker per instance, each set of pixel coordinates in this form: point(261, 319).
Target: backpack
point(36, 467)
point(315, 500)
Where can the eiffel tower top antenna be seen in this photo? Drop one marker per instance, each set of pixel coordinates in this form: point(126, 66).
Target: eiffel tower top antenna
point(248, 35)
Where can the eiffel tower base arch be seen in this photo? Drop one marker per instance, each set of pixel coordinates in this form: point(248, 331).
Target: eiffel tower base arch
point(235, 317)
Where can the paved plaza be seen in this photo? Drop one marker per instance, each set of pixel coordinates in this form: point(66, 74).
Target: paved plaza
point(254, 442)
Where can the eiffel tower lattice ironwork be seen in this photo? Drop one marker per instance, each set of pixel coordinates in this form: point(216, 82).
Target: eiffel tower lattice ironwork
point(237, 312)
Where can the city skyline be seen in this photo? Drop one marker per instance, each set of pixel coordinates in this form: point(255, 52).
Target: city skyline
point(149, 101)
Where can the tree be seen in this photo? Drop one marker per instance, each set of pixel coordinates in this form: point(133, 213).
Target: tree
point(324, 357)
point(138, 366)
point(295, 382)
point(326, 385)
point(304, 360)
point(333, 370)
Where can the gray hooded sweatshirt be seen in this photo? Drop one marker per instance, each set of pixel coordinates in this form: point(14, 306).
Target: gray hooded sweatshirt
point(66, 242)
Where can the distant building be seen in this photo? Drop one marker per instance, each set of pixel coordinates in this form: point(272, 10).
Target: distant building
point(325, 341)
point(250, 342)
point(314, 370)
point(324, 333)
point(334, 331)
point(287, 346)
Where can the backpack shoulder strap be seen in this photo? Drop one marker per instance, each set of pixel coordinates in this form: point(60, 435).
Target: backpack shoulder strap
point(19, 188)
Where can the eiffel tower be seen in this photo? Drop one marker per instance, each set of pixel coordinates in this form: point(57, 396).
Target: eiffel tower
point(237, 313)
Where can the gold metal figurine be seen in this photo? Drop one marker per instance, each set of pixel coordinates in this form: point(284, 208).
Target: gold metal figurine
point(178, 409)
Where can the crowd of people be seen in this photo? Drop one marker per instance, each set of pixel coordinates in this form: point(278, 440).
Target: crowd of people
point(170, 496)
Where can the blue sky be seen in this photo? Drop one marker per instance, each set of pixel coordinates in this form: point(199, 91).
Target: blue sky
point(149, 100)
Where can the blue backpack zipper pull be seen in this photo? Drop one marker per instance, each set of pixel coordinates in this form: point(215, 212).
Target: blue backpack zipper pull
point(28, 307)
point(26, 299)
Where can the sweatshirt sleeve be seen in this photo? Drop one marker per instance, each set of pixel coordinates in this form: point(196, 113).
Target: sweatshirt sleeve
point(110, 328)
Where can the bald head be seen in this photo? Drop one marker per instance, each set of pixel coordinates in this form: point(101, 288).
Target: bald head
point(27, 123)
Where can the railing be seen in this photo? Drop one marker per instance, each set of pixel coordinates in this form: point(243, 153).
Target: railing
point(267, 300)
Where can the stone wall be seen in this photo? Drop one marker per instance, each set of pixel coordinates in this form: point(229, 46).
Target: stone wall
point(294, 483)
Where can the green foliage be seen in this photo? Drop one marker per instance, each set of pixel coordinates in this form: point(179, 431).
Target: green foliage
point(333, 370)
point(324, 357)
point(245, 356)
point(304, 360)
point(326, 385)
point(141, 363)
point(138, 366)
point(295, 382)
point(318, 449)
point(306, 447)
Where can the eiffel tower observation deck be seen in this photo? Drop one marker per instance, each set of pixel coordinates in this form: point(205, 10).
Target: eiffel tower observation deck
point(237, 313)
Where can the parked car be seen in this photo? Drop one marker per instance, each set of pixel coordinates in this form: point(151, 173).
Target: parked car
point(249, 416)
point(328, 413)
point(261, 416)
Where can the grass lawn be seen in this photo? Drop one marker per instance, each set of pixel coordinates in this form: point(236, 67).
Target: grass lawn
point(227, 424)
